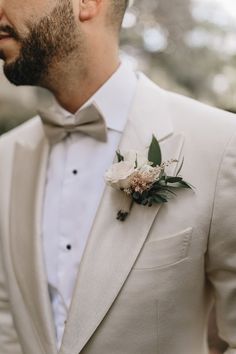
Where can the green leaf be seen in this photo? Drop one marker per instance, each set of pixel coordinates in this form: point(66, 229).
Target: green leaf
point(144, 202)
point(166, 189)
point(136, 196)
point(173, 179)
point(180, 185)
point(145, 194)
point(154, 153)
point(156, 188)
point(119, 156)
point(186, 185)
point(159, 199)
point(180, 167)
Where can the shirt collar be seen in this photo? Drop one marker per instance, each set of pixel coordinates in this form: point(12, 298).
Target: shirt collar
point(114, 98)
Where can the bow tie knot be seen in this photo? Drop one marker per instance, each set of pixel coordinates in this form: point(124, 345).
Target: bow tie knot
point(88, 121)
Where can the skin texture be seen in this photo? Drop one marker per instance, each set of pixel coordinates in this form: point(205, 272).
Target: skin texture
point(48, 42)
point(65, 46)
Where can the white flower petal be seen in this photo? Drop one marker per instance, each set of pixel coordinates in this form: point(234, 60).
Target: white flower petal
point(119, 175)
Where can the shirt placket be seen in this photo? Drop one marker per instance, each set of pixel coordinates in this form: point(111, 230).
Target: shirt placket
point(64, 248)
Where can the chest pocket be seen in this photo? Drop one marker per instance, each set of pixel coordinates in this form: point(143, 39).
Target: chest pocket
point(165, 251)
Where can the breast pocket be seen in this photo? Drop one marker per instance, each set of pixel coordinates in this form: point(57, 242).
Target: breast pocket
point(165, 251)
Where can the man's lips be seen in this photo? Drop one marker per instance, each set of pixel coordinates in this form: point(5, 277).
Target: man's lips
point(4, 36)
point(5, 39)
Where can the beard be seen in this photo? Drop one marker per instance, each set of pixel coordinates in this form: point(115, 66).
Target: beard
point(50, 41)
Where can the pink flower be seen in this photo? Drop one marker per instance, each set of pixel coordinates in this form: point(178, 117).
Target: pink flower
point(144, 178)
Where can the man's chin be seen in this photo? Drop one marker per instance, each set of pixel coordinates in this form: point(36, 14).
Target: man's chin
point(16, 71)
point(13, 74)
point(20, 73)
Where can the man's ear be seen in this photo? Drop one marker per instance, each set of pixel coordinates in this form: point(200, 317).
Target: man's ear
point(88, 9)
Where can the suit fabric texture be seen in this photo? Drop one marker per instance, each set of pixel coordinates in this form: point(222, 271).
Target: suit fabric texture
point(144, 286)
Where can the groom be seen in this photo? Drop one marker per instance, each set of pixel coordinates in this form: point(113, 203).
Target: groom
point(73, 278)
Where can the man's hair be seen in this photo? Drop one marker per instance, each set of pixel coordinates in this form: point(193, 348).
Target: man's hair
point(116, 13)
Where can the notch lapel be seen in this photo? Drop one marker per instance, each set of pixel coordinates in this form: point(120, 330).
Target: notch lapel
point(113, 246)
point(28, 180)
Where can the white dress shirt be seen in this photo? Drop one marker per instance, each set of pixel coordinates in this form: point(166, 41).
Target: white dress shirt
point(74, 187)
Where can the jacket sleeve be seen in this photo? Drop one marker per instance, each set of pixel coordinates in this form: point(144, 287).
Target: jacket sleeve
point(221, 254)
point(9, 342)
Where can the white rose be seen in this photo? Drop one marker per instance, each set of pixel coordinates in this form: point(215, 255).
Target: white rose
point(120, 175)
point(134, 156)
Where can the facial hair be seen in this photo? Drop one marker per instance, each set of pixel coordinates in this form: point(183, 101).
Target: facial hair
point(51, 40)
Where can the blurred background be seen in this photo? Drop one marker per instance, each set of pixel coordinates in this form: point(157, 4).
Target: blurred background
point(188, 46)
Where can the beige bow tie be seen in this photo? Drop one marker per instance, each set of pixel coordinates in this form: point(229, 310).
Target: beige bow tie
point(88, 121)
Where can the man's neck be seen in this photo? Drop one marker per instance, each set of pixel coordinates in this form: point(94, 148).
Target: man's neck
point(73, 89)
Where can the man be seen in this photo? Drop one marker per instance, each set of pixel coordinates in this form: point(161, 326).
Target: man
point(74, 279)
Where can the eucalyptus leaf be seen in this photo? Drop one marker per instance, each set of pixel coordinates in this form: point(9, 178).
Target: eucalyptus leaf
point(154, 153)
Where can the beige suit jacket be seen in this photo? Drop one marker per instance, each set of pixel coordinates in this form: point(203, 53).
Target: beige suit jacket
point(145, 286)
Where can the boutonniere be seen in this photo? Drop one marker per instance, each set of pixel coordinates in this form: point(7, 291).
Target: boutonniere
point(144, 180)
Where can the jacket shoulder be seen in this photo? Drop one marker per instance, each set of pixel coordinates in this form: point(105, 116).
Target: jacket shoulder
point(203, 112)
point(179, 104)
point(24, 131)
point(190, 116)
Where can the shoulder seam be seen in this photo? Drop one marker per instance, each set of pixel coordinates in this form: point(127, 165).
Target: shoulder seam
point(217, 179)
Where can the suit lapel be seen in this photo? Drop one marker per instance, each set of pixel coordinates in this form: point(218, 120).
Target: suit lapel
point(113, 246)
point(28, 182)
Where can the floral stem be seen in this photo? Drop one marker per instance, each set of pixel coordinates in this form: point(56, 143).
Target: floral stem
point(127, 204)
